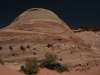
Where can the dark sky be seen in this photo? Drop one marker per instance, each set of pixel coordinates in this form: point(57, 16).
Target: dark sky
point(75, 13)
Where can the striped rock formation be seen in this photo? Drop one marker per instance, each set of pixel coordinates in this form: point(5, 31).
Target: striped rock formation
point(37, 31)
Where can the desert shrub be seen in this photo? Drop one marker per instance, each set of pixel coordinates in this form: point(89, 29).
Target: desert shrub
point(60, 68)
point(50, 57)
point(54, 66)
point(1, 61)
point(50, 63)
point(30, 67)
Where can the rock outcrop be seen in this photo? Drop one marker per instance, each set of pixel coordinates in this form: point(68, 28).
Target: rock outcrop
point(37, 31)
point(38, 28)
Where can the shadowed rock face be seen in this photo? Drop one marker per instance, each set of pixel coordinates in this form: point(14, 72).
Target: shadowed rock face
point(38, 30)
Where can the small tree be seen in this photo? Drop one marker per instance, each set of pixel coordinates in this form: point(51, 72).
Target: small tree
point(31, 66)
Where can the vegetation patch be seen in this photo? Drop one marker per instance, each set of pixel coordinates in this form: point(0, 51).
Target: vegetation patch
point(31, 67)
point(50, 62)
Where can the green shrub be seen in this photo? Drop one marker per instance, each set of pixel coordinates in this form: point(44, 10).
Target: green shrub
point(60, 68)
point(30, 67)
point(54, 66)
point(50, 63)
point(50, 57)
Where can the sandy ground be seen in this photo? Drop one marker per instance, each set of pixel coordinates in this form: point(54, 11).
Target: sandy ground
point(92, 71)
point(7, 71)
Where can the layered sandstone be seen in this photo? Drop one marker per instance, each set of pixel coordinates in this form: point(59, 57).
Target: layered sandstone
point(37, 28)
point(37, 31)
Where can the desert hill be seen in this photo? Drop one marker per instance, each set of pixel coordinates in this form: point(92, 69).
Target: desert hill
point(37, 31)
point(36, 26)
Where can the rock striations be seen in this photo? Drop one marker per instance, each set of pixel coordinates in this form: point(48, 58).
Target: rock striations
point(38, 28)
point(37, 31)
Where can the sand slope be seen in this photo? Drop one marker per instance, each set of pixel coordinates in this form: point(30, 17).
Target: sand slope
point(7, 71)
point(92, 71)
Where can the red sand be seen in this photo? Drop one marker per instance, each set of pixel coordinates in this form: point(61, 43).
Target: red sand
point(93, 71)
point(7, 71)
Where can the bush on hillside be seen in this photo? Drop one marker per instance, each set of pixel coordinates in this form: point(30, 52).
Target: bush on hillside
point(50, 57)
point(60, 68)
point(30, 67)
point(50, 63)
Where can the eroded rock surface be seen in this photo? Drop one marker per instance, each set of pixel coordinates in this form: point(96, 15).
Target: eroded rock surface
point(37, 31)
point(37, 28)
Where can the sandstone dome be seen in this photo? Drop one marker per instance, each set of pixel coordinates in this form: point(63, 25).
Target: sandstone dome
point(38, 30)
point(39, 20)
